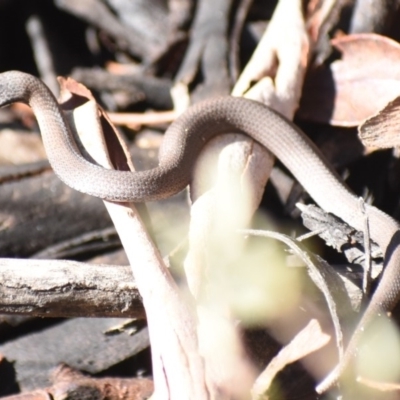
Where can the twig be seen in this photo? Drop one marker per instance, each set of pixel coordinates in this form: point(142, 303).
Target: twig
point(367, 249)
point(136, 120)
point(41, 52)
point(234, 41)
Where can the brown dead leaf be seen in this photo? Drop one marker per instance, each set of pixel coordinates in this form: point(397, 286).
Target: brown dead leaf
point(79, 104)
point(382, 129)
point(355, 87)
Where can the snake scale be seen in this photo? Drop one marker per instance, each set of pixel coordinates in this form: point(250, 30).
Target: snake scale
point(183, 141)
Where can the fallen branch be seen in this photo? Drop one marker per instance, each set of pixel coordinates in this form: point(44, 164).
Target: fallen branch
point(60, 288)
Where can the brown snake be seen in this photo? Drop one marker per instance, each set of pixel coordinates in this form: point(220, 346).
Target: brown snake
point(182, 144)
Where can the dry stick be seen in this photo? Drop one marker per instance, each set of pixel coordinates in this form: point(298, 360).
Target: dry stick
point(243, 169)
point(60, 288)
point(234, 41)
point(135, 120)
point(177, 365)
point(279, 61)
point(180, 13)
point(41, 52)
point(208, 48)
point(178, 369)
point(100, 16)
point(154, 91)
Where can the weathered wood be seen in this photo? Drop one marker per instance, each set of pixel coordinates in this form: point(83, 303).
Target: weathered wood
point(59, 288)
point(39, 211)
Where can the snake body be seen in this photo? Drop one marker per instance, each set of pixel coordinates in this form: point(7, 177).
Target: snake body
point(181, 146)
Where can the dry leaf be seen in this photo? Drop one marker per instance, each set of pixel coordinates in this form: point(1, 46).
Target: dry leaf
point(355, 87)
point(382, 129)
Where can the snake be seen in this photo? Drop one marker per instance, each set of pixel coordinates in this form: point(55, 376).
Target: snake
point(184, 140)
